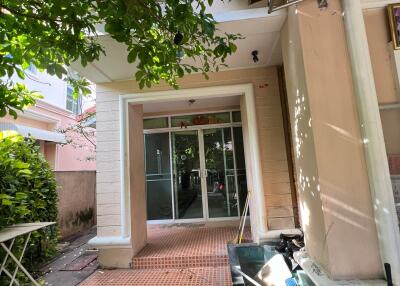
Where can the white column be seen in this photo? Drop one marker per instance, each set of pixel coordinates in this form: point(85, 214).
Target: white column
point(371, 128)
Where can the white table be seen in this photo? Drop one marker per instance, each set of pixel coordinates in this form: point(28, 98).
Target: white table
point(11, 233)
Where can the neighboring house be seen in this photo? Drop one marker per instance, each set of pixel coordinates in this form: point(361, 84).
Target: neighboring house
point(300, 129)
point(57, 110)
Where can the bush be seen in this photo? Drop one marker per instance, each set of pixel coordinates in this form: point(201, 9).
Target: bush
point(28, 193)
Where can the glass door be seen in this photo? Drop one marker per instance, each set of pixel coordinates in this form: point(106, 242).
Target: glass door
point(196, 173)
point(158, 176)
point(188, 198)
point(219, 173)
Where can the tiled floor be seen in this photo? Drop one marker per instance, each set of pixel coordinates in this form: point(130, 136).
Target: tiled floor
point(185, 246)
point(176, 255)
point(207, 276)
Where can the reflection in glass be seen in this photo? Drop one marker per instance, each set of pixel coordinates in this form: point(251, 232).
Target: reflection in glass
point(240, 166)
point(158, 176)
point(187, 182)
point(221, 188)
point(236, 116)
point(153, 123)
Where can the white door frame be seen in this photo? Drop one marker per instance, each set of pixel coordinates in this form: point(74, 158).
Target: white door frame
point(251, 148)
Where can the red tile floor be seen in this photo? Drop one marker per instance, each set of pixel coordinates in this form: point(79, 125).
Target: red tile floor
point(176, 255)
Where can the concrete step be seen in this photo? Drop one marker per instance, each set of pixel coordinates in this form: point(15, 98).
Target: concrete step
point(179, 262)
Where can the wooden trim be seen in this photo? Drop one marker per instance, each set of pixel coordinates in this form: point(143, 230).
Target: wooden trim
point(288, 141)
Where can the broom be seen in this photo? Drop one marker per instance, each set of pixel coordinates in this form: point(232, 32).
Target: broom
point(238, 239)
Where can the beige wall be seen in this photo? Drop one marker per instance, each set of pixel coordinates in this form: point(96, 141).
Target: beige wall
point(381, 52)
point(391, 130)
point(378, 35)
point(275, 167)
point(76, 201)
point(311, 216)
point(332, 176)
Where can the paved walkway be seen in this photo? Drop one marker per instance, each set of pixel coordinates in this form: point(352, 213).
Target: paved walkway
point(189, 254)
point(75, 263)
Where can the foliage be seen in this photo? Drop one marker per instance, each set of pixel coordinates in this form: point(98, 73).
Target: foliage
point(82, 134)
point(51, 34)
point(27, 194)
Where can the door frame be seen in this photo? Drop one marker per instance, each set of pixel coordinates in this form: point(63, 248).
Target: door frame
point(250, 138)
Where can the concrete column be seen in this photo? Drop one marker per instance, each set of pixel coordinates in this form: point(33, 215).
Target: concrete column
point(336, 204)
point(371, 129)
point(137, 174)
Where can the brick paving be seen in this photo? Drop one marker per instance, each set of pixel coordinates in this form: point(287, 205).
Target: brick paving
point(176, 255)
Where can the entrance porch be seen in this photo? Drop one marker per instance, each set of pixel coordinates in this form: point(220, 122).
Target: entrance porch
point(177, 254)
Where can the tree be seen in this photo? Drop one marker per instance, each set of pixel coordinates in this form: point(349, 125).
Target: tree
point(51, 34)
point(82, 134)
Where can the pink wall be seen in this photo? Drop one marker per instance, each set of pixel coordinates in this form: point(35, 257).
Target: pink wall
point(48, 117)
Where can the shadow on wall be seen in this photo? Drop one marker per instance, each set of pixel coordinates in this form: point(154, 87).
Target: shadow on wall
point(76, 201)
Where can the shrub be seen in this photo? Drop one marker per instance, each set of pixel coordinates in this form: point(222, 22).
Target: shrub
point(28, 193)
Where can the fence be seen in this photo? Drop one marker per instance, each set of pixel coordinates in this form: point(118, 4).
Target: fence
point(77, 201)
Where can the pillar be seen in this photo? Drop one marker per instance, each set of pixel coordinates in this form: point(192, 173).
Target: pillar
point(336, 206)
point(371, 128)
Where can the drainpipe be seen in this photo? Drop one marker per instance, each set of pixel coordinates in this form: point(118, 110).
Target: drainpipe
point(371, 130)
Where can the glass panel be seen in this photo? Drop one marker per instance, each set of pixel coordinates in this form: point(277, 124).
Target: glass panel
point(152, 123)
point(240, 166)
point(158, 176)
point(187, 182)
point(200, 119)
point(221, 190)
point(236, 116)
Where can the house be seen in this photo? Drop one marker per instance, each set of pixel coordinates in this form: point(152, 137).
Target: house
point(307, 130)
point(56, 111)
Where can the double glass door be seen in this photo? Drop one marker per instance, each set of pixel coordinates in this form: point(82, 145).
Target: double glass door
point(204, 177)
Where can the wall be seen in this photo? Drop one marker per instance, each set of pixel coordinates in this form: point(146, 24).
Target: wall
point(305, 162)
point(331, 173)
point(381, 51)
point(378, 34)
point(275, 168)
point(77, 201)
point(53, 89)
point(47, 117)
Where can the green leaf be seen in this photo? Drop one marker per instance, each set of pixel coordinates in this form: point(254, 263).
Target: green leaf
point(6, 202)
point(24, 171)
point(20, 196)
point(21, 165)
point(132, 56)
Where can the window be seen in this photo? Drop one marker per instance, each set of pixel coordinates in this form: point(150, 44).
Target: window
point(73, 104)
point(153, 123)
point(200, 119)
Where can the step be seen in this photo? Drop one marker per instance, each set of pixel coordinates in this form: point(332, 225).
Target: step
point(178, 262)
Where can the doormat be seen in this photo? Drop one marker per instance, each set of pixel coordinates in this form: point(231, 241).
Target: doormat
point(79, 263)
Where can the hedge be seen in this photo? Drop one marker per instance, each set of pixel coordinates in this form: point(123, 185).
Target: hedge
point(28, 193)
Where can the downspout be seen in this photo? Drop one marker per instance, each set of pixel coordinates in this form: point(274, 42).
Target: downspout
point(371, 130)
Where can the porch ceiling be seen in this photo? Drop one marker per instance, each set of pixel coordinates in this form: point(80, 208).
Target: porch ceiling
point(261, 32)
